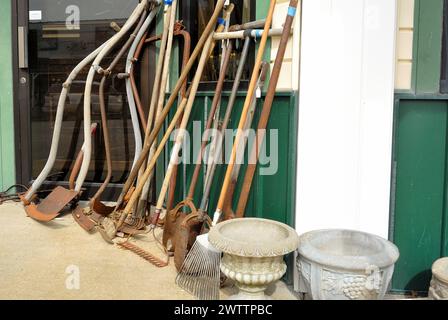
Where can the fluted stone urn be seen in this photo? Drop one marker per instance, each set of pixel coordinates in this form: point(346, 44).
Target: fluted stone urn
point(439, 282)
point(345, 265)
point(253, 251)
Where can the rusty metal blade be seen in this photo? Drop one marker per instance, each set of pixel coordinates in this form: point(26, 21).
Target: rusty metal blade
point(101, 208)
point(188, 230)
point(83, 220)
point(51, 206)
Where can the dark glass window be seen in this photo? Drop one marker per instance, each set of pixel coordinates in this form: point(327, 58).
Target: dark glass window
point(195, 16)
point(57, 43)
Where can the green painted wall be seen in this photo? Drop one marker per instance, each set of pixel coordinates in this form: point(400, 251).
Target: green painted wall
point(7, 151)
point(272, 197)
point(420, 213)
point(427, 46)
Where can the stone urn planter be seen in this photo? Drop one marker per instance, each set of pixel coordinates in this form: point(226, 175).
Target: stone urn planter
point(439, 282)
point(345, 265)
point(253, 251)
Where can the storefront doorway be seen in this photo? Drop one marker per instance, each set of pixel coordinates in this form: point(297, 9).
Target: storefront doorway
point(52, 37)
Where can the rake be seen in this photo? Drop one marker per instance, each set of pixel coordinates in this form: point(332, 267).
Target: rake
point(200, 273)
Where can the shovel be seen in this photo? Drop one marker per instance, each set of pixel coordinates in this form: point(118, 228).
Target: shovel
point(266, 111)
point(45, 212)
point(83, 216)
point(173, 97)
point(186, 109)
point(190, 226)
point(227, 211)
point(176, 149)
point(59, 198)
point(178, 32)
point(157, 101)
point(175, 216)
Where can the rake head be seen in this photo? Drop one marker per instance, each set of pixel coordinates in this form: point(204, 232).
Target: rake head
point(200, 272)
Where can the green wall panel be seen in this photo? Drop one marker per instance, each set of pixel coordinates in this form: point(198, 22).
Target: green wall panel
point(7, 158)
point(272, 196)
point(428, 47)
point(420, 198)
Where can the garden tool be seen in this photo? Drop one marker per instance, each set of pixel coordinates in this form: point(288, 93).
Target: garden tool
point(43, 213)
point(177, 146)
point(178, 32)
point(134, 98)
point(140, 212)
point(186, 56)
point(179, 139)
point(227, 207)
point(143, 200)
point(84, 215)
point(108, 226)
point(254, 33)
point(50, 207)
point(28, 197)
point(175, 216)
point(128, 70)
point(129, 92)
point(200, 273)
point(227, 17)
point(96, 68)
point(266, 111)
point(248, 25)
point(153, 113)
point(173, 97)
point(194, 222)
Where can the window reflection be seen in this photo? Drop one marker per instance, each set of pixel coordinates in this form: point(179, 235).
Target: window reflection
point(56, 46)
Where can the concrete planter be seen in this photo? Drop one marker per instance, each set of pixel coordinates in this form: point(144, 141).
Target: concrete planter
point(439, 282)
point(345, 265)
point(253, 253)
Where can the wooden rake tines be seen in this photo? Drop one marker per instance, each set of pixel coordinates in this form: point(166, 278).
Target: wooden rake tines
point(159, 263)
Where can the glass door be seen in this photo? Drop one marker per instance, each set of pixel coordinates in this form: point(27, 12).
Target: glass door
point(57, 35)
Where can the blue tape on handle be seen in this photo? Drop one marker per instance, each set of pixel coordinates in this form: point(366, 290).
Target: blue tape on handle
point(221, 21)
point(168, 2)
point(258, 33)
point(292, 11)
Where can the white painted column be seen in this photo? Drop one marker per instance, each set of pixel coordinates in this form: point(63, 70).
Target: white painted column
point(346, 115)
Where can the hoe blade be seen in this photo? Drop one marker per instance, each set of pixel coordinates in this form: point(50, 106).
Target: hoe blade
point(51, 206)
point(101, 208)
point(83, 220)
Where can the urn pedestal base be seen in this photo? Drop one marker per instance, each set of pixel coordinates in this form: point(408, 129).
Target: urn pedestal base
point(439, 282)
point(252, 276)
point(253, 253)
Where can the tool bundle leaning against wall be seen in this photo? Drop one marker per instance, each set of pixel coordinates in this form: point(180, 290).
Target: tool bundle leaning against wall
point(186, 226)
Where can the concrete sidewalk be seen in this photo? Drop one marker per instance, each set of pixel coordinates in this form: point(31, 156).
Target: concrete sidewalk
point(40, 261)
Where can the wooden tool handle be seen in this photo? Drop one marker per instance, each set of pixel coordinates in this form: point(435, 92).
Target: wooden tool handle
point(180, 138)
point(173, 97)
point(247, 103)
point(267, 107)
point(213, 109)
